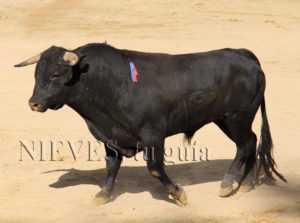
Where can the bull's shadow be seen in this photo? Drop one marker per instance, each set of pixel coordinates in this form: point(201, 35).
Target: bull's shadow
point(137, 179)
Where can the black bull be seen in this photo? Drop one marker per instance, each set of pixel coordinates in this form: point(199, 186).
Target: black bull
point(173, 94)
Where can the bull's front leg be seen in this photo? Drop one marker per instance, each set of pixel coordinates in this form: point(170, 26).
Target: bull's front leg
point(113, 163)
point(154, 154)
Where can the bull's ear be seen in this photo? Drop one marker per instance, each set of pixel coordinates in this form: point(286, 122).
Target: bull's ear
point(70, 58)
point(81, 66)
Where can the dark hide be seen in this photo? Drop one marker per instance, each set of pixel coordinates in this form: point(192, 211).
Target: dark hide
point(174, 94)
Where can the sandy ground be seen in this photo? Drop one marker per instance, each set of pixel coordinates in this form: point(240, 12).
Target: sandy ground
point(62, 191)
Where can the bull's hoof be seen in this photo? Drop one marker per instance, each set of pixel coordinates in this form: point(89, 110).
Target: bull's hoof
point(226, 191)
point(102, 198)
point(180, 197)
point(246, 188)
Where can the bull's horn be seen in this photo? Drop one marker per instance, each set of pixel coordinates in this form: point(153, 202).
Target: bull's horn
point(71, 58)
point(29, 61)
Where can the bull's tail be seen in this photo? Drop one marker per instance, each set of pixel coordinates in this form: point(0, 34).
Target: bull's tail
point(188, 136)
point(265, 148)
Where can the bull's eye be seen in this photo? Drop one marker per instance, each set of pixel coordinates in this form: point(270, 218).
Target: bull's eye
point(54, 76)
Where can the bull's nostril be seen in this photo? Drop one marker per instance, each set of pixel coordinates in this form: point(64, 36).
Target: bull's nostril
point(33, 105)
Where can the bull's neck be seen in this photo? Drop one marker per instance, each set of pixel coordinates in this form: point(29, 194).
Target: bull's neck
point(91, 96)
point(99, 89)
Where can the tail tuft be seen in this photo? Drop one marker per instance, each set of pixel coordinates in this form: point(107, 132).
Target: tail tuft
point(265, 148)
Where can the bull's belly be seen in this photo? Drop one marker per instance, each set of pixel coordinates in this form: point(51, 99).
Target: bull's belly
point(193, 111)
point(193, 122)
point(124, 138)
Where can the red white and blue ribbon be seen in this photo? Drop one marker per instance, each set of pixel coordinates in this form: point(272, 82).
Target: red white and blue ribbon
point(134, 72)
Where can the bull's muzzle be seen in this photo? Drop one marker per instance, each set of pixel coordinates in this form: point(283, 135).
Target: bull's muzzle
point(36, 107)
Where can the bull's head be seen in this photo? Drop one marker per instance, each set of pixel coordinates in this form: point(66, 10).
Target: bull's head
point(54, 72)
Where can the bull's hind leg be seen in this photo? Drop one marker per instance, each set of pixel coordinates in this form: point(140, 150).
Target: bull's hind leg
point(238, 129)
point(246, 183)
